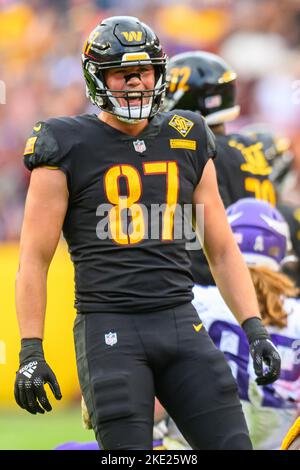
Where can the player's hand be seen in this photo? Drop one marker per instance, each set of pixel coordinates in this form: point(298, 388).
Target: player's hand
point(30, 393)
point(263, 352)
point(31, 377)
point(266, 359)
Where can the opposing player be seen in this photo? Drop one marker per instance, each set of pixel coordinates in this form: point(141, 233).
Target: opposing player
point(101, 179)
point(261, 233)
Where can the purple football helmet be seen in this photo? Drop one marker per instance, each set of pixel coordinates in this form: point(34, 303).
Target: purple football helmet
point(260, 231)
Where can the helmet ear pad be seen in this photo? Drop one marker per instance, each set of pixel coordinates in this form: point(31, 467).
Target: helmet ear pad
point(92, 87)
point(103, 99)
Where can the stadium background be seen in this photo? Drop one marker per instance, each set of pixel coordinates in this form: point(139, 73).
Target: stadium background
point(40, 77)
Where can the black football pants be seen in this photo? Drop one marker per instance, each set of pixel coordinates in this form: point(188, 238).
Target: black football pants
point(125, 360)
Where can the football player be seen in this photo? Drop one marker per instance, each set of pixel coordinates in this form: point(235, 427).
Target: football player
point(277, 150)
point(137, 335)
point(202, 82)
point(291, 266)
point(278, 153)
point(262, 234)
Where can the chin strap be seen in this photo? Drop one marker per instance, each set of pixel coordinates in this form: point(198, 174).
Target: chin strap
point(129, 121)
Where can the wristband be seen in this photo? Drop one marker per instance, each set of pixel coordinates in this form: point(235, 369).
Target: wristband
point(31, 348)
point(254, 329)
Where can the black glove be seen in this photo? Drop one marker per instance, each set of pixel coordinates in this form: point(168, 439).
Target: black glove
point(262, 351)
point(33, 373)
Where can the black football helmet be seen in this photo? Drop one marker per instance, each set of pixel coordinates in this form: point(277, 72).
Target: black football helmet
point(123, 41)
point(201, 81)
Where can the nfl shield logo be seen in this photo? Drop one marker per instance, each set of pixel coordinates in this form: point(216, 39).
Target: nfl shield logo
point(139, 146)
point(111, 338)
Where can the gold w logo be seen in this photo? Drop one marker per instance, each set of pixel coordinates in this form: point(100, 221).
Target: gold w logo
point(131, 36)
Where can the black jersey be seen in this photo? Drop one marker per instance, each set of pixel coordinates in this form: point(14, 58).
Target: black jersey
point(291, 214)
point(242, 171)
point(114, 182)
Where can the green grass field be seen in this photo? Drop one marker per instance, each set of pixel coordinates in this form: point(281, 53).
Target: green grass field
point(23, 431)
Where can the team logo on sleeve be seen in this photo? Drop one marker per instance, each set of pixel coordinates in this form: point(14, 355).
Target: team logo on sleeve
point(181, 124)
point(29, 146)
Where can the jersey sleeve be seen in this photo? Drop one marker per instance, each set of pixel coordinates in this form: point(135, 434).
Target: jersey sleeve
point(42, 149)
point(226, 173)
point(211, 147)
point(206, 148)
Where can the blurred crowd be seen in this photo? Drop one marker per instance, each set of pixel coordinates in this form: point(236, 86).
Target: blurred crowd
point(41, 77)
